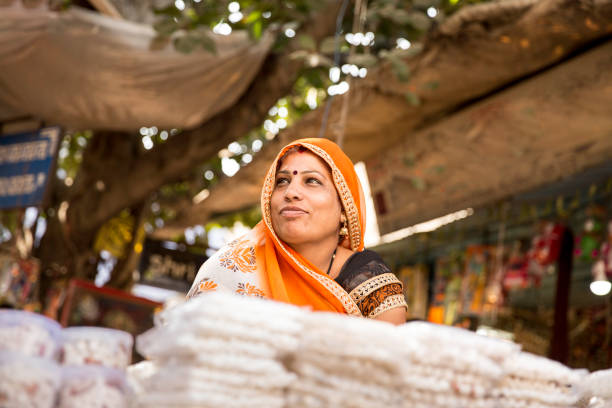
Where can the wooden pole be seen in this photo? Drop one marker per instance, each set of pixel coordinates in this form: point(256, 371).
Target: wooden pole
point(559, 342)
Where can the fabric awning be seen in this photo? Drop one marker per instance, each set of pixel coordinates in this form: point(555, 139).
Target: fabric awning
point(84, 70)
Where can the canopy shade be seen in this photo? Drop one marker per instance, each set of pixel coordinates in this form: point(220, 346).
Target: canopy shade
point(83, 70)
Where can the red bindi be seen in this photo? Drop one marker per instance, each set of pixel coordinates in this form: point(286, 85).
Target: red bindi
point(294, 172)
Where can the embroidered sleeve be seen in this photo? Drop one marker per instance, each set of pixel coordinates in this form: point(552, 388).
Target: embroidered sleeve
point(371, 284)
point(379, 294)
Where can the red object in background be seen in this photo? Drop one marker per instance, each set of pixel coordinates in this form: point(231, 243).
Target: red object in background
point(606, 251)
point(89, 305)
point(516, 275)
point(546, 246)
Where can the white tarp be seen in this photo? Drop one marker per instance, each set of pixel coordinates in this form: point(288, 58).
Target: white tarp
point(83, 70)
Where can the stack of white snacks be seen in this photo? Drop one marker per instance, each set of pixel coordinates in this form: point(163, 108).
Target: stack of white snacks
point(451, 367)
point(346, 362)
point(95, 360)
point(536, 382)
point(28, 382)
point(92, 387)
point(597, 388)
point(30, 334)
point(29, 374)
point(220, 350)
point(97, 346)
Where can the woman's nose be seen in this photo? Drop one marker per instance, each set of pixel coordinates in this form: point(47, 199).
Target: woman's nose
point(292, 192)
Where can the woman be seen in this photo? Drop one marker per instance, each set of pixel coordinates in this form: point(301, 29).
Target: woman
point(308, 249)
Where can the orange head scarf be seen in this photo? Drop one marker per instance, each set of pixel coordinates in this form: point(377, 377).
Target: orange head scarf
point(289, 276)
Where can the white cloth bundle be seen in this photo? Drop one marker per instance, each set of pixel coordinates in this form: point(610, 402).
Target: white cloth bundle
point(346, 362)
point(422, 398)
point(451, 367)
point(210, 397)
point(598, 384)
point(537, 382)
point(220, 350)
point(455, 342)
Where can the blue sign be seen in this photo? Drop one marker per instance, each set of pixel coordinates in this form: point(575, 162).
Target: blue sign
point(25, 161)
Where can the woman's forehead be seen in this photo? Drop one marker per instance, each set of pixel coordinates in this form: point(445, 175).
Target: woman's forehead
point(302, 161)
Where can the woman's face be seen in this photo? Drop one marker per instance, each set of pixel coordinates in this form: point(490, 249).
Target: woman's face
point(305, 206)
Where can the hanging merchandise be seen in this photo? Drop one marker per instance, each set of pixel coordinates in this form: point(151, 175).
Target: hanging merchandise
point(602, 268)
point(446, 289)
point(545, 250)
point(18, 281)
point(605, 253)
point(415, 283)
point(516, 275)
point(477, 260)
point(590, 240)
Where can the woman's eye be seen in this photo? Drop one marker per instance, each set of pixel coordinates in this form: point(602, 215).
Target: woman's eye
point(281, 180)
point(313, 180)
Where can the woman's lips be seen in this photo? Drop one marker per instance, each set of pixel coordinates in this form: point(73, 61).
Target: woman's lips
point(291, 212)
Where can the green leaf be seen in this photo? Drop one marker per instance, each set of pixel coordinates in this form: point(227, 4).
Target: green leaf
point(363, 60)
point(307, 42)
point(433, 85)
point(185, 44)
point(328, 45)
point(189, 42)
point(315, 78)
point(167, 11)
point(191, 14)
point(418, 183)
point(256, 29)
point(165, 27)
point(208, 43)
point(413, 98)
point(252, 17)
point(399, 67)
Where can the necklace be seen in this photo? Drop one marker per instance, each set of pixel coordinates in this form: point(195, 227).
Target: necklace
point(331, 261)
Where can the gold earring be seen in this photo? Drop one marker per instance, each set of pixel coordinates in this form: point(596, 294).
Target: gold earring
point(344, 226)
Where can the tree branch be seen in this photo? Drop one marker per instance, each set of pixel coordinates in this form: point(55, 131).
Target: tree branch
point(477, 52)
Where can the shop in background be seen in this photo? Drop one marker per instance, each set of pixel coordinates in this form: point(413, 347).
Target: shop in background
point(498, 270)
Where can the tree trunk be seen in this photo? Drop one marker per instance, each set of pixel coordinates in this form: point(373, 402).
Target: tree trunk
point(122, 274)
point(116, 172)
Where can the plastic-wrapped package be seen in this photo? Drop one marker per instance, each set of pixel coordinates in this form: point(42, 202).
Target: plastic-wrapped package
point(27, 382)
point(29, 333)
point(93, 387)
point(97, 346)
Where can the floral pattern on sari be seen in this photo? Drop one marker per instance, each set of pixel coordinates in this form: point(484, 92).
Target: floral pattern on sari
point(239, 258)
point(249, 290)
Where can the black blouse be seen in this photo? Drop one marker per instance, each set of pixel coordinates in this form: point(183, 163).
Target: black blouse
point(371, 284)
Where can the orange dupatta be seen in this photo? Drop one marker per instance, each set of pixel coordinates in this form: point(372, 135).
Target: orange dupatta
point(289, 276)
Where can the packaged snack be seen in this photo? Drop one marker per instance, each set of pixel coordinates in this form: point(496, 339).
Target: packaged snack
point(29, 333)
point(97, 346)
point(27, 382)
point(92, 387)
